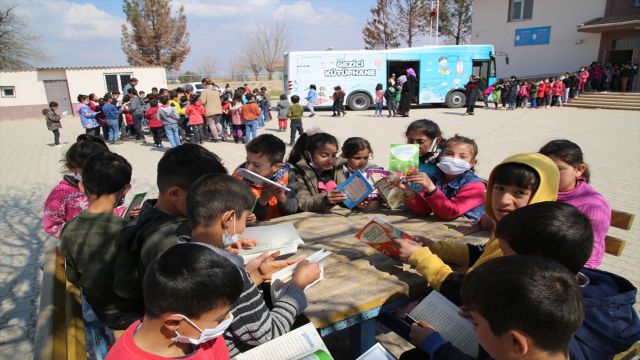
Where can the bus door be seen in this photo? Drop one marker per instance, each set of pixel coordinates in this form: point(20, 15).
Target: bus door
point(399, 67)
point(481, 70)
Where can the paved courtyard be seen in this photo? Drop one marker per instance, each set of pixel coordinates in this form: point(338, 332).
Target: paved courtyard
point(30, 167)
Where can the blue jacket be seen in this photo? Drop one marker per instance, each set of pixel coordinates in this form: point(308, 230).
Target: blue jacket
point(611, 324)
point(312, 96)
point(451, 188)
point(110, 111)
point(87, 117)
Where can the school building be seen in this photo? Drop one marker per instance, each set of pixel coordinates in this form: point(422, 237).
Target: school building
point(543, 37)
point(25, 93)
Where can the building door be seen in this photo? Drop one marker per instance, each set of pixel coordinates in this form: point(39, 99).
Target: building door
point(58, 91)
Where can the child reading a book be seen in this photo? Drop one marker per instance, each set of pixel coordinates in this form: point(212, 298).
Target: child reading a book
point(317, 174)
point(563, 233)
point(522, 307)
point(518, 181)
point(575, 190)
point(454, 190)
point(265, 157)
point(218, 206)
point(66, 201)
point(427, 134)
point(89, 240)
point(187, 307)
point(354, 156)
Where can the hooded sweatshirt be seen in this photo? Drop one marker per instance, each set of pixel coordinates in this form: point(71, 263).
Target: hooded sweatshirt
point(611, 325)
point(430, 262)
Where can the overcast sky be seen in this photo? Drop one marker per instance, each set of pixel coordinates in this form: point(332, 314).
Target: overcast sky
point(87, 33)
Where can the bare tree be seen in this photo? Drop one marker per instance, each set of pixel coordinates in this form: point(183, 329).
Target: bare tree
point(380, 31)
point(156, 37)
point(456, 23)
point(253, 61)
point(269, 43)
point(208, 65)
point(412, 19)
point(18, 47)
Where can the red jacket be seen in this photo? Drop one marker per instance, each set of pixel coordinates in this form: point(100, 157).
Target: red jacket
point(151, 117)
point(557, 89)
point(541, 90)
point(467, 198)
point(195, 112)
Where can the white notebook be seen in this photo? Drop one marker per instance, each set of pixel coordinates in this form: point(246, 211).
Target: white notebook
point(445, 317)
point(283, 237)
point(283, 277)
point(301, 343)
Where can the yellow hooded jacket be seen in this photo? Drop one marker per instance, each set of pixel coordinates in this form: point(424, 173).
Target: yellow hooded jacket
point(431, 262)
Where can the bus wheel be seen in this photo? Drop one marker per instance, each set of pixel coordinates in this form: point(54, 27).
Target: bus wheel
point(455, 99)
point(359, 101)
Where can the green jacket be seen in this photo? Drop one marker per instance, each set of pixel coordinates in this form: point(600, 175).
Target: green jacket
point(295, 112)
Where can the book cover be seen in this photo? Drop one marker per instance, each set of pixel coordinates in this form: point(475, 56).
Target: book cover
point(356, 188)
point(378, 233)
point(404, 158)
point(259, 180)
point(303, 343)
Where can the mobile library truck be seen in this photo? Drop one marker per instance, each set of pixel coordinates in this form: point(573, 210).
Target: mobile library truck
point(442, 72)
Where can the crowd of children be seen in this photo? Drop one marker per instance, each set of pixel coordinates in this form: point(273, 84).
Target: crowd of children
point(180, 115)
point(172, 278)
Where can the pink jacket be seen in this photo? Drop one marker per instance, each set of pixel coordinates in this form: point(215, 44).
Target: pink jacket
point(379, 96)
point(63, 204)
point(196, 113)
point(236, 113)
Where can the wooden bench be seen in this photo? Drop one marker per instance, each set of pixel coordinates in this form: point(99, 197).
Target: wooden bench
point(60, 329)
point(619, 220)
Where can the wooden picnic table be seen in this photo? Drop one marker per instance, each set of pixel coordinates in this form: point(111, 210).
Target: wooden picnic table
point(361, 283)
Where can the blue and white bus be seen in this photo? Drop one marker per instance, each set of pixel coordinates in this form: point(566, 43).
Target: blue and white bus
point(442, 72)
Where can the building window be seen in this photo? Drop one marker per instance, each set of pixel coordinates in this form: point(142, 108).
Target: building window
point(520, 10)
point(116, 82)
point(8, 91)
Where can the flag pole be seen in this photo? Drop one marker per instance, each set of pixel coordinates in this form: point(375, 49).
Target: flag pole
point(437, 19)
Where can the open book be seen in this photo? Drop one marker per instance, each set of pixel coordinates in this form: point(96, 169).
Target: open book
point(386, 187)
point(283, 237)
point(378, 233)
point(377, 352)
point(303, 343)
point(356, 188)
point(280, 279)
point(404, 158)
point(444, 316)
point(259, 180)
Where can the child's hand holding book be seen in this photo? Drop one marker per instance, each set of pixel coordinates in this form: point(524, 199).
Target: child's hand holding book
point(305, 274)
point(335, 197)
point(420, 331)
point(406, 247)
point(271, 264)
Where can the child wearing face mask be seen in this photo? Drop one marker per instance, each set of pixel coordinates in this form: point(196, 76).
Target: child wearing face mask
point(191, 321)
point(454, 190)
point(89, 240)
point(66, 200)
point(317, 172)
point(218, 206)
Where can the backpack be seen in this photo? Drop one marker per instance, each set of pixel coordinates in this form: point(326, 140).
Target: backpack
point(389, 94)
point(129, 272)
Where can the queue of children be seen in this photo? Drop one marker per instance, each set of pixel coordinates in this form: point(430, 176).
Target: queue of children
point(133, 274)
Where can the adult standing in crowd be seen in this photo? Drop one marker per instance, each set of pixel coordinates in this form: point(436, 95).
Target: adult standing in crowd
point(210, 99)
point(136, 108)
point(408, 93)
point(133, 82)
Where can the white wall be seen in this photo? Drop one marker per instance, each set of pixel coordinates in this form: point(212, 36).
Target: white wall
point(28, 90)
point(491, 26)
point(86, 81)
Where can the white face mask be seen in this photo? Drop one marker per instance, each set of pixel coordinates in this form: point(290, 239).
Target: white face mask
point(453, 166)
point(230, 239)
point(205, 334)
point(77, 177)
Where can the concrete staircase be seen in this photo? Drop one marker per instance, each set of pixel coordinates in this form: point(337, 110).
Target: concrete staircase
point(607, 100)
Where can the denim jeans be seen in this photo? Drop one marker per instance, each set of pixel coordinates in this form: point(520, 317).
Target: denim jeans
point(114, 129)
point(172, 134)
point(251, 129)
point(56, 137)
point(379, 109)
point(260, 121)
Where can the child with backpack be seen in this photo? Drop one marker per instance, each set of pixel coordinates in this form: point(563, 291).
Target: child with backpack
point(390, 96)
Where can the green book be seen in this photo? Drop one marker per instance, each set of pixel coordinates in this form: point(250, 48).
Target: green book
point(404, 158)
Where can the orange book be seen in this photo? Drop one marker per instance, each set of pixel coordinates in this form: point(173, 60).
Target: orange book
point(378, 233)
